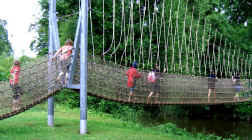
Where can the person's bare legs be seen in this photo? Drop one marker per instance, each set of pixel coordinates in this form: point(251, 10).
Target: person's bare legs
point(214, 95)
point(157, 96)
point(60, 75)
point(14, 104)
point(209, 94)
point(235, 99)
point(149, 96)
point(66, 78)
point(130, 95)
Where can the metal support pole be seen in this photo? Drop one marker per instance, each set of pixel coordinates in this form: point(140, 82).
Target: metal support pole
point(53, 42)
point(50, 111)
point(75, 53)
point(83, 67)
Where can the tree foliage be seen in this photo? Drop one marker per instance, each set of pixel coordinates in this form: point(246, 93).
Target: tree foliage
point(214, 16)
point(5, 47)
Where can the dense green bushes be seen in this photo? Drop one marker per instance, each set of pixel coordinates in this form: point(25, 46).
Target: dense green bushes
point(241, 111)
point(173, 129)
point(71, 98)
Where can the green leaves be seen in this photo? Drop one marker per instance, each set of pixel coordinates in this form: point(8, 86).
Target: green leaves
point(5, 47)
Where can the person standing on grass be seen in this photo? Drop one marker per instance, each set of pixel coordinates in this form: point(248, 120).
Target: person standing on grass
point(64, 54)
point(14, 80)
point(132, 74)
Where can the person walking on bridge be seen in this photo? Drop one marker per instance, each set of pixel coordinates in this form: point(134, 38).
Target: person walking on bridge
point(212, 79)
point(132, 74)
point(154, 80)
point(237, 85)
point(64, 54)
point(14, 80)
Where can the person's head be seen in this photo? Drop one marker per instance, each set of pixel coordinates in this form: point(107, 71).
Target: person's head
point(212, 72)
point(156, 66)
point(69, 42)
point(134, 64)
point(16, 63)
point(238, 74)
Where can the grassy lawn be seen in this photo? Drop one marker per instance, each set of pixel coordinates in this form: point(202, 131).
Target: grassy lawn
point(32, 125)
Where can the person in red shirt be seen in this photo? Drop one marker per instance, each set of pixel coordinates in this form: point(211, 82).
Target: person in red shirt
point(132, 74)
point(14, 79)
point(64, 54)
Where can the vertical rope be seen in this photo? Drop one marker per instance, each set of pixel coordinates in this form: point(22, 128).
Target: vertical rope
point(197, 45)
point(229, 53)
point(238, 61)
point(142, 29)
point(126, 37)
point(173, 54)
point(132, 31)
point(150, 30)
point(246, 65)
point(121, 32)
point(249, 66)
point(243, 64)
point(160, 34)
point(131, 24)
point(103, 33)
point(165, 37)
point(222, 68)
point(213, 59)
point(184, 38)
point(113, 41)
point(91, 28)
point(203, 47)
point(208, 53)
point(232, 62)
point(170, 34)
point(190, 42)
point(219, 56)
point(178, 39)
point(224, 57)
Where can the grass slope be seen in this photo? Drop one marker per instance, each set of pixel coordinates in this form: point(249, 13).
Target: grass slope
point(32, 125)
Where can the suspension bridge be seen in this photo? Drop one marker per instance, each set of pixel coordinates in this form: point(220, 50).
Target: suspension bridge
point(187, 49)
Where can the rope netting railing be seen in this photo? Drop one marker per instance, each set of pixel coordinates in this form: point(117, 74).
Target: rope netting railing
point(177, 37)
point(109, 81)
point(174, 34)
point(34, 87)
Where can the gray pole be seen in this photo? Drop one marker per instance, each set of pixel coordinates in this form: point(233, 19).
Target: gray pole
point(83, 67)
point(51, 48)
point(50, 111)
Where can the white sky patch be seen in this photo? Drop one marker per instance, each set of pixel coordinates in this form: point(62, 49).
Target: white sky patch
point(20, 14)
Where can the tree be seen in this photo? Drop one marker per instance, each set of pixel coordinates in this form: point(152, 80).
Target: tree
point(182, 32)
point(238, 11)
point(5, 47)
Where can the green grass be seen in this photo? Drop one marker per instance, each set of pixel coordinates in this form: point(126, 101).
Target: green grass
point(32, 125)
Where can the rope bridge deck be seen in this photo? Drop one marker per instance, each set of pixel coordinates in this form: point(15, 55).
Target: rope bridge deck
point(110, 82)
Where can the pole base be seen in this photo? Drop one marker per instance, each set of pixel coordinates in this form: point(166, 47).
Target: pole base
point(83, 127)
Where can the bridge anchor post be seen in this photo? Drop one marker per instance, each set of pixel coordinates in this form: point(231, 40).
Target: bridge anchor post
point(83, 66)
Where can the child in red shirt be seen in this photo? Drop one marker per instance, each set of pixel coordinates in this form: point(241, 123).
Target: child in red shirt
point(14, 79)
point(132, 74)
